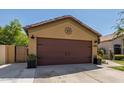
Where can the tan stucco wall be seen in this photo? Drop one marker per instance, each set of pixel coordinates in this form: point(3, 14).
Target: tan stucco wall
point(2, 54)
point(57, 30)
point(106, 45)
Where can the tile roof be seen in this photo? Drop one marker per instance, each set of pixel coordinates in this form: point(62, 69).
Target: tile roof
point(110, 37)
point(60, 18)
point(107, 37)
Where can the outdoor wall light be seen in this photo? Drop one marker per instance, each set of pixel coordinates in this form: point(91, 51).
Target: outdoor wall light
point(95, 41)
point(99, 41)
point(32, 37)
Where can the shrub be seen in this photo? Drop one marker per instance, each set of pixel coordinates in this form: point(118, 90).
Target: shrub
point(31, 61)
point(119, 57)
point(111, 55)
point(100, 52)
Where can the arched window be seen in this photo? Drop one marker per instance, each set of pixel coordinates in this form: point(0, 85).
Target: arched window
point(117, 49)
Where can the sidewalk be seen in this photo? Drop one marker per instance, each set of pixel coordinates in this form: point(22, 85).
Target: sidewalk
point(111, 63)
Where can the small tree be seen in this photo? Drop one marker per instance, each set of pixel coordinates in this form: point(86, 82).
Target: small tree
point(111, 55)
point(13, 34)
point(119, 26)
point(22, 39)
point(100, 52)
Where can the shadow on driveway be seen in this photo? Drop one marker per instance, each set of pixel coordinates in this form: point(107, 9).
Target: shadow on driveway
point(19, 70)
point(58, 70)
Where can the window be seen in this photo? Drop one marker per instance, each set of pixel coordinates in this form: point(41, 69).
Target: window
point(117, 49)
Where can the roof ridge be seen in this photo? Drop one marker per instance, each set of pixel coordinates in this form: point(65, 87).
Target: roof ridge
point(50, 19)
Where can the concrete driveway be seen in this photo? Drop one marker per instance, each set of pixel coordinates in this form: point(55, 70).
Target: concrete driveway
point(78, 73)
point(17, 72)
point(74, 73)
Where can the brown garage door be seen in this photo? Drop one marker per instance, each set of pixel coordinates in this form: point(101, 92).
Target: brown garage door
point(58, 51)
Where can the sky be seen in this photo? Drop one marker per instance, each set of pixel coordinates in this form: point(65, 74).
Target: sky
point(101, 20)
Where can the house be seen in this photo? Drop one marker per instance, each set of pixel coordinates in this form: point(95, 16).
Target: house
point(110, 42)
point(62, 40)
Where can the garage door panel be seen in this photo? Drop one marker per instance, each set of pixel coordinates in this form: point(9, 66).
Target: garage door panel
point(51, 61)
point(48, 42)
point(55, 62)
point(51, 53)
point(80, 52)
point(60, 42)
point(84, 60)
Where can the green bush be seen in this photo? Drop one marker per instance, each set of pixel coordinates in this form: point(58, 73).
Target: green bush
point(100, 52)
point(31, 57)
point(119, 57)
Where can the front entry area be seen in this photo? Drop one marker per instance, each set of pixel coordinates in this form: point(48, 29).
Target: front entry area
point(63, 51)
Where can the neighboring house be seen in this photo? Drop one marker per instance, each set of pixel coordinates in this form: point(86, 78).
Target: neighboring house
point(62, 40)
point(109, 42)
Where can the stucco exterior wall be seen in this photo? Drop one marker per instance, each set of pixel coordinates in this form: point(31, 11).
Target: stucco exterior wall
point(2, 54)
point(57, 30)
point(106, 45)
